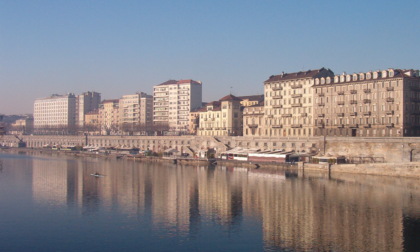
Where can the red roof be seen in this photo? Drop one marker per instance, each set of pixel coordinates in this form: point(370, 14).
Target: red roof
point(230, 98)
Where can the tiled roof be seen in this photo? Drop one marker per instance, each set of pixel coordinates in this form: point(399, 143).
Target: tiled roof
point(252, 97)
point(171, 82)
point(230, 98)
point(299, 75)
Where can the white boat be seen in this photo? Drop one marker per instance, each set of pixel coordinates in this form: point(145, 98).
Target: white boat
point(97, 175)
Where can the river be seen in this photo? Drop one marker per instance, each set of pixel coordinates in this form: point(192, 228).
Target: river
point(51, 202)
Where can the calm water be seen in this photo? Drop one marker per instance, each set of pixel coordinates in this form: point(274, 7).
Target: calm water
point(51, 203)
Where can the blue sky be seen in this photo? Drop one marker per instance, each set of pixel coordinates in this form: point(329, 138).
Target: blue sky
point(121, 47)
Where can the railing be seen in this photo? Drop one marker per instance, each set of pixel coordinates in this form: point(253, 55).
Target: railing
point(286, 115)
point(389, 88)
point(304, 114)
point(353, 114)
point(296, 95)
point(353, 91)
point(296, 125)
point(321, 94)
point(297, 105)
point(340, 114)
point(321, 115)
point(367, 126)
point(340, 103)
point(277, 88)
point(366, 100)
point(367, 91)
point(367, 113)
point(389, 112)
point(296, 86)
point(278, 126)
point(277, 106)
point(353, 102)
point(354, 125)
point(340, 92)
point(277, 96)
point(321, 104)
point(390, 125)
point(389, 99)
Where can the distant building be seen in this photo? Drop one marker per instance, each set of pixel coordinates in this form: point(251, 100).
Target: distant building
point(173, 101)
point(55, 114)
point(92, 122)
point(253, 120)
point(86, 102)
point(136, 112)
point(221, 118)
point(373, 104)
point(23, 126)
point(109, 117)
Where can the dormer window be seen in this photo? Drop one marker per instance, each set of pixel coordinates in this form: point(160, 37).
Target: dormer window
point(209, 108)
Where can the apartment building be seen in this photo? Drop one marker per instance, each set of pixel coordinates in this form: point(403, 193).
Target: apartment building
point(92, 122)
point(136, 110)
point(253, 120)
point(23, 126)
point(288, 104)
point(109, 117)
point(173, 100)
point(372, 104)
point(221, 118)
point(86, 102)
point(56, 111)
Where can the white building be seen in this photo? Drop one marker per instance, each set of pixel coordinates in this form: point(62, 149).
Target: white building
point(136, 110)
point(85, 103)
point(172, 102)
point(56, 111)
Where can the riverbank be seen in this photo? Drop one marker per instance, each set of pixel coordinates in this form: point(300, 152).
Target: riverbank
point(407, 169)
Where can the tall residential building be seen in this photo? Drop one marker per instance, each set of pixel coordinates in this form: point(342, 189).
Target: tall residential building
point(288, 103)
point(221, 118)
point(172, 102)
point(373, 104)
point(56, 111)
point(86, 102)
point(136, 110)
point(109, 117)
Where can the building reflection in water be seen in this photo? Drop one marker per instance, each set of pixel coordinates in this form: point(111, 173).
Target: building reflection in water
point(298, 213)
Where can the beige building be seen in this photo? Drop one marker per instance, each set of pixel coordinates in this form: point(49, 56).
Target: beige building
point(221, 118)
point(288, 104)
point(109, 117)
point(92, 122)
point(173, 101)
point(194, 121)
point(372, 104)
point(23, 126)
point(57, 112)
point(136, 112)
point(253, 120)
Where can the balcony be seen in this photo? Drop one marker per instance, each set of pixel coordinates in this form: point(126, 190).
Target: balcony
point(252, 126)
point(296, 95)
point(321, 115)
point(296, 125)
point(296, 86)
point(277, 88)
point(389, 112)
point(340, 103)
point(277, 106)
point(367, 91)
point(353, 91)
point(367, 126)
point(320, 125)
point(286, 115)
point(367, 113)
point(366, 101)
point(321, 104)
point(353, 102)
point(389, 99)
point(277, 96)
point(340, 92)
point(389, 88)
point(354, 125)
point(297, 105)
point(278, 126)
point(353, 114)
point(340, 114)
point(304, 114)
point(340, 126)
point(390, 125)
point(321, 94)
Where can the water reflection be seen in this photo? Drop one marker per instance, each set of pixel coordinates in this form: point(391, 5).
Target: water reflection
point(299, 213)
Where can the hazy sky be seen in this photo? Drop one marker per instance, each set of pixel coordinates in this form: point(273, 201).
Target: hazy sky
point(121, 47)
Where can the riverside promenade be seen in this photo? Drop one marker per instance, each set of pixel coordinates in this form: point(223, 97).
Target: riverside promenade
point(364, 150)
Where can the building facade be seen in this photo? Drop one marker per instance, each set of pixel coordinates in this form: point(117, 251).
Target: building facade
point(23, 126)
point(253, 120)
point(55, 112)
point(221, 118)
point(173, 101)
point(86, 102)
point(372, 104)
point(288, 104)
point(109, 117)
point(136, 112)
